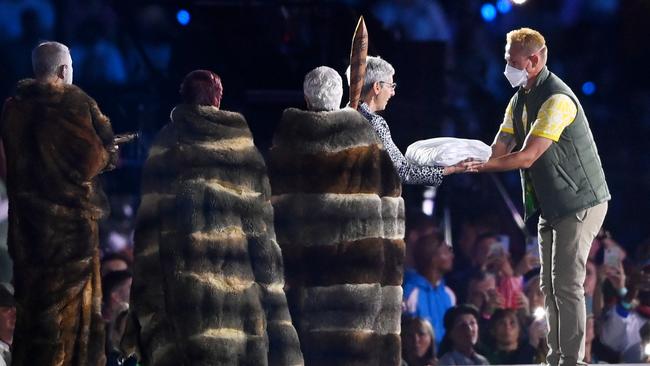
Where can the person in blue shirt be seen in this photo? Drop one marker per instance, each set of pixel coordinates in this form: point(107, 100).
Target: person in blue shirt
point(425, 293)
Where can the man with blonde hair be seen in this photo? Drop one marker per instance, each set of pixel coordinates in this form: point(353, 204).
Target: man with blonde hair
point(545, 134)
point(57, 142)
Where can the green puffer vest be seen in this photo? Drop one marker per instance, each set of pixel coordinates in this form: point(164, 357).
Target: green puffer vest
point(568, 177)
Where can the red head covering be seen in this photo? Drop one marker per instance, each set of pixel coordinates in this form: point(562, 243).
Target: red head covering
point(202, 87)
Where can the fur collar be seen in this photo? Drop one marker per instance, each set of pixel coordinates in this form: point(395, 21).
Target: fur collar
point(32, 89)
point(208, 120)
point(311, 132)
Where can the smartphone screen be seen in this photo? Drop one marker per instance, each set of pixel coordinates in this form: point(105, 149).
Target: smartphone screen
point(496, 249)
point(501, 246)
point(505, 242)
point(612, 256)
point(532, 247)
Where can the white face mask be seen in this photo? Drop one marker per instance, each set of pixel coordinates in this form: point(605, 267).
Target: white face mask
point(515, 76)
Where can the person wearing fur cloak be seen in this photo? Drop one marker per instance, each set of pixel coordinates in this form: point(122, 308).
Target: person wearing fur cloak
point(340, 224)
point(208, 286)
point(56, 141)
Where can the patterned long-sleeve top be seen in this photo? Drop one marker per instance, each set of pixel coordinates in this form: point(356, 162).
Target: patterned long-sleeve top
point(409, 173)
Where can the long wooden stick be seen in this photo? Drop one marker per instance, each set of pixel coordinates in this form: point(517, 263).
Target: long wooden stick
point(358, 55)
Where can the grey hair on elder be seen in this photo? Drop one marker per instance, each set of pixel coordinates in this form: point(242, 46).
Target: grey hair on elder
point(47, 57)
point(377, 69)
point(323, 89)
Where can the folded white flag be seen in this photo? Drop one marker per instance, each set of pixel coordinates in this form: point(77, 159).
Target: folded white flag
point(447, 151)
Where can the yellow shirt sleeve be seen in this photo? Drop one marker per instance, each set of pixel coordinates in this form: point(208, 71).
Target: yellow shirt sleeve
point(506, 125)
point(553, 116)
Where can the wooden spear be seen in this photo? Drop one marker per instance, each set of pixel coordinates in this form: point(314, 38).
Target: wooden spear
point(358, 55)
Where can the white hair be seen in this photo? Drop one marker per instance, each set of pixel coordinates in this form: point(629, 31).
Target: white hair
point(47, 57)
point(377, 69)
point(323, 89)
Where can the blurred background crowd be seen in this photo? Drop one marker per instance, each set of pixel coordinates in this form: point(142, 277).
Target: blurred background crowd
point(464, 242)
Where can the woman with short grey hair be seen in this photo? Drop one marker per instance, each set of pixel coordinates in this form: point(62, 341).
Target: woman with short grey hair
point(378, 88)
point(329, 170)
point(323, 89)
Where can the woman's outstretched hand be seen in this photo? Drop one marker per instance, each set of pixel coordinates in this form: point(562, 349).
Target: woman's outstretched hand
point(461, 167)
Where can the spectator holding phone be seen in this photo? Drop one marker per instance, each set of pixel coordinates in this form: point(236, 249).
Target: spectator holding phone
point(509, 278)
point(491, 252)
point(509, 286)
point(623, 323)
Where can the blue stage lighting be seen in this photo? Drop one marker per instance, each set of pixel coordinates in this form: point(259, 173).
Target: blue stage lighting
point(488, 12)
point(183, 17)
point(504, 6)
point(588, 88)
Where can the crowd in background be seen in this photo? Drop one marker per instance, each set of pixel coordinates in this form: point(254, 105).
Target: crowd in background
point(479, 298)
point(478, 302)
point(506, 322)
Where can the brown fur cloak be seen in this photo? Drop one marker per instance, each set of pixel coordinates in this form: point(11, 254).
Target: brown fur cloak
point(208, 284)
point(56, 142)
point(340, 224)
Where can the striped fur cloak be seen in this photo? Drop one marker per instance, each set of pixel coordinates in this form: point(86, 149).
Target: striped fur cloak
point(208, 282)
point(57, 142)
point(339, 219)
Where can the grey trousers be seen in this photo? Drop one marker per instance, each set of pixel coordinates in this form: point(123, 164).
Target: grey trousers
point(564, 248)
